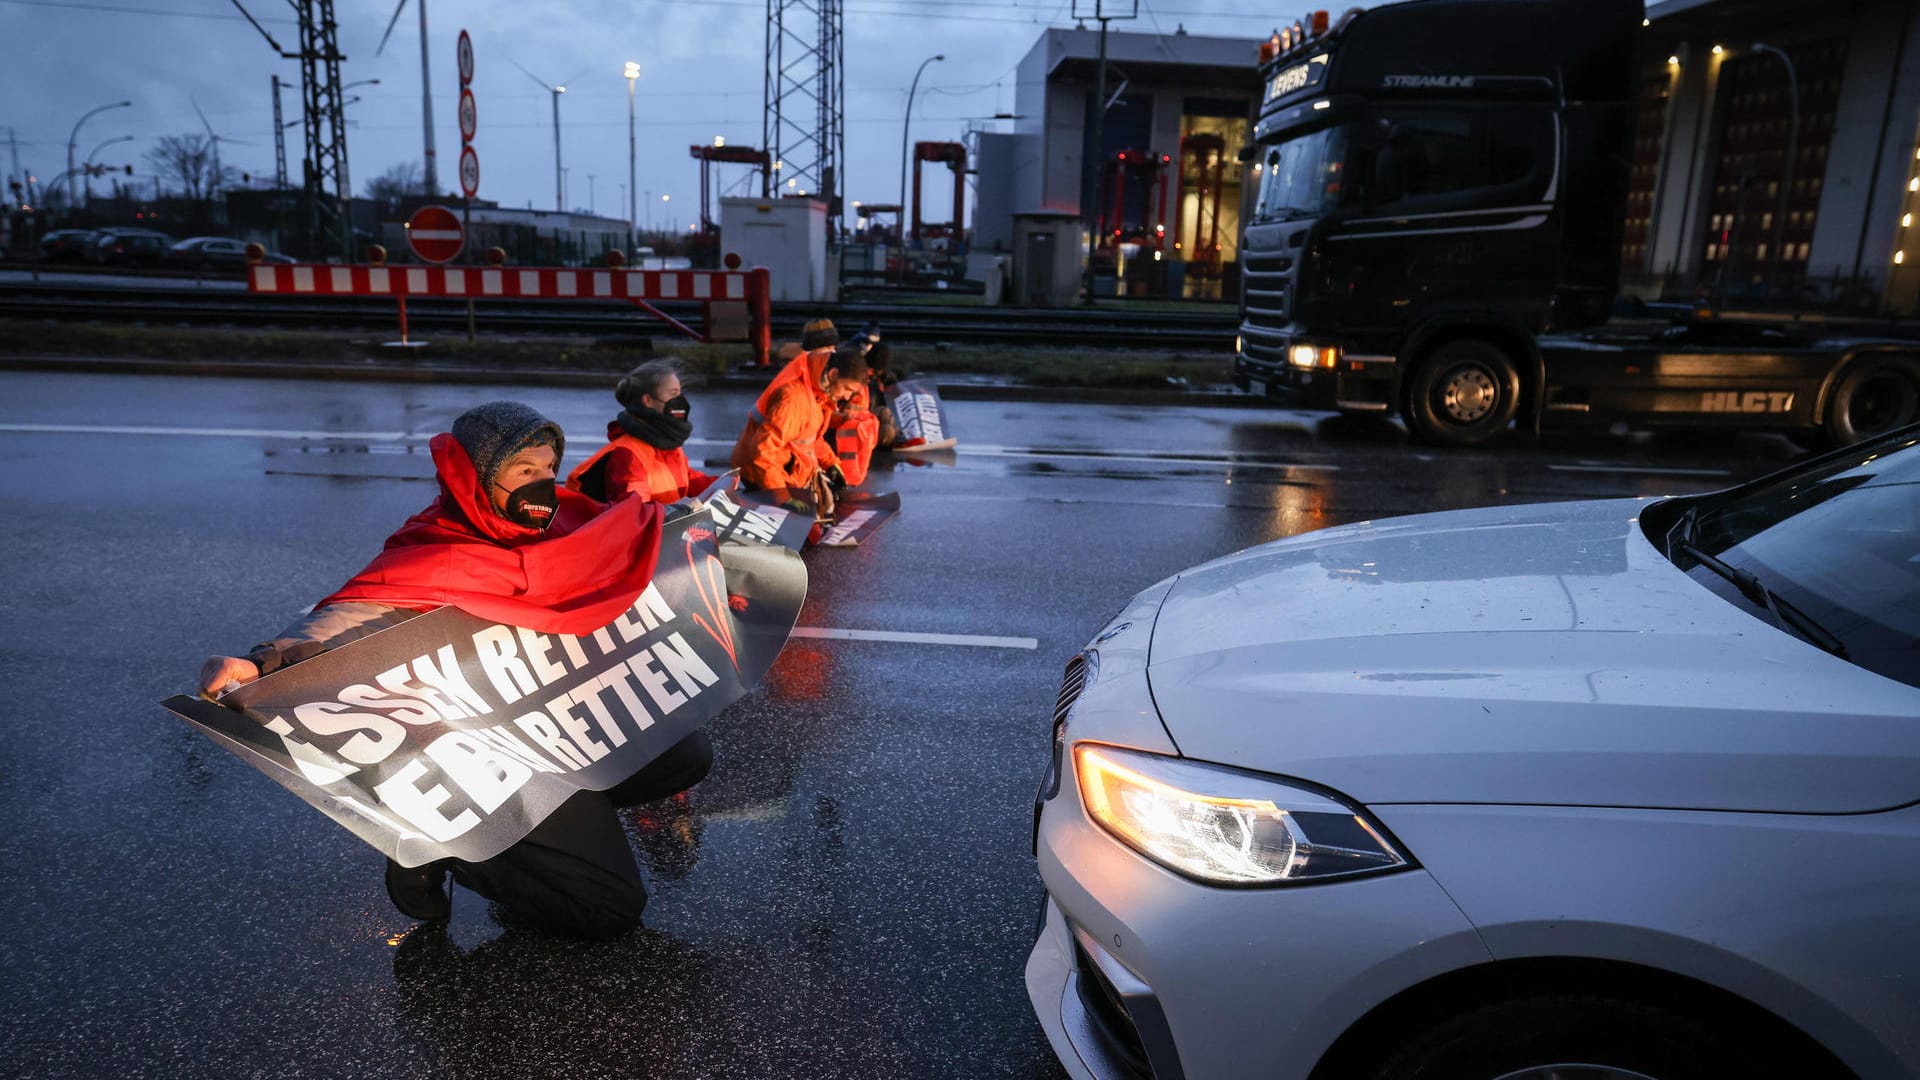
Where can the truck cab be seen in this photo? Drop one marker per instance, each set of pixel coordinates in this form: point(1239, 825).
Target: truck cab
point(1440, 182)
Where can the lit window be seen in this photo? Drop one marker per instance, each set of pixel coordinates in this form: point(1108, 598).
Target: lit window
point(1899, 257)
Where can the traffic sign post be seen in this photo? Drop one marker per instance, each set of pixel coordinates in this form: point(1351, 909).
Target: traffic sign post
point(469, 159)
point(465, 57)
point(435, 234)
point(469, 114)
point(469, 172)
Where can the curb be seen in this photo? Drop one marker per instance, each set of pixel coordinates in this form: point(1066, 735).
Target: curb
point(431, 373)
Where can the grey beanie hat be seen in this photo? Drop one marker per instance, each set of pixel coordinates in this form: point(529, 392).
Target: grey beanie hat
point(492, 433)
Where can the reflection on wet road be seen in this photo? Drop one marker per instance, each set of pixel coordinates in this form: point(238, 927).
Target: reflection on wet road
point(849, 894)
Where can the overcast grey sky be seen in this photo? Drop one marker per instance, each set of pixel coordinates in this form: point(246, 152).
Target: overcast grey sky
point(701, 77)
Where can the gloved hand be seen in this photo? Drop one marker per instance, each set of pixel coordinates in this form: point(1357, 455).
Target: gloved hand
point(796, 506)
point(680, 508)
point(835, 478)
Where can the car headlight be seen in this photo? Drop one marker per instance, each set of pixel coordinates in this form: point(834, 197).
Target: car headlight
point(1224, 826)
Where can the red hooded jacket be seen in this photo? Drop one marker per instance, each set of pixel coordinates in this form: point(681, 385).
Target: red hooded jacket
point(589, 565)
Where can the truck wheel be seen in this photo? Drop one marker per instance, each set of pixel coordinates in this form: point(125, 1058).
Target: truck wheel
point(1463, 393)
point(1875, 395)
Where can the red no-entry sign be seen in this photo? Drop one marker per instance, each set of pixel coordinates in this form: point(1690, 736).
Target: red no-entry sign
point(434, 234)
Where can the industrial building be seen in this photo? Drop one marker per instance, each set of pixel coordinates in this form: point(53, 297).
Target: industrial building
point(1719, 113)
point(1166, 181)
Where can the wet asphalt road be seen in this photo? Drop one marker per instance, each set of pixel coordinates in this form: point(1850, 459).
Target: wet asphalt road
point(849, 894)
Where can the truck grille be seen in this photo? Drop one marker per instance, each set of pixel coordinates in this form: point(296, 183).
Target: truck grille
point(1270, 274)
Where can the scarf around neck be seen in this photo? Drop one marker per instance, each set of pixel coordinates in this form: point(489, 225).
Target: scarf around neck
point(657, 430)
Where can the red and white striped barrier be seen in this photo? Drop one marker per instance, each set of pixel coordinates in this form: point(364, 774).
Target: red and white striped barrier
point(638, 287)
point(502, 283)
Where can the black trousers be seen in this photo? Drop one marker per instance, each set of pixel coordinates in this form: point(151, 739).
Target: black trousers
point(575, 872)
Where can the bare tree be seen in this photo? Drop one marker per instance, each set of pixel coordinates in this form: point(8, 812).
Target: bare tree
point(189, 161)
point(398, 181)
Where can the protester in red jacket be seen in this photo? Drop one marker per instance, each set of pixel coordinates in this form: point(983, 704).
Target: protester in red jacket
point(503, 544)
point(643, 456)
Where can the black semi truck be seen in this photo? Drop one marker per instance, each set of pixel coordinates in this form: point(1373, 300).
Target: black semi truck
point(1442, 190)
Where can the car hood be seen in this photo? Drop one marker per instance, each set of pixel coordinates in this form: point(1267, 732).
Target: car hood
point(1544, 655)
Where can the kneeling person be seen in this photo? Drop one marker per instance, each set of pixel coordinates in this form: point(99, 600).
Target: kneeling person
point(501, 543)
point(783, 445)
point(643, 457)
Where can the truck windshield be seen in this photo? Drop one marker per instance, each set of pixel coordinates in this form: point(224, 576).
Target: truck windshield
point(1301, 177)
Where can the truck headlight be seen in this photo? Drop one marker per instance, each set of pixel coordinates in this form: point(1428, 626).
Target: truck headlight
point(1312, 356)
point(1225, 826)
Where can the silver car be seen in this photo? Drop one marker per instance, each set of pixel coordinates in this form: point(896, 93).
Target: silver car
point(1586, 790)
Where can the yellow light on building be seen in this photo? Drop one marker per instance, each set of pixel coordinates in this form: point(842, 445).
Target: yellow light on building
point(1673, 61)
point(1914, 184)
point(1906, 220)
point(1717, 50)
point(1899, 257)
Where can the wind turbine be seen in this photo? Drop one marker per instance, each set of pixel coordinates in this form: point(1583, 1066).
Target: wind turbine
point(559, 181)
point(426, 87)
point(215, 139)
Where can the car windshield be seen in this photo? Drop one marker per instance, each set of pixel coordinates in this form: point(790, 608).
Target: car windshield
point(1840, 541)
point(1301, 176)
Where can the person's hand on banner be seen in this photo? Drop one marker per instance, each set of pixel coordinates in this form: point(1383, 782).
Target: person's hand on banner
point(680, 508)
point(835, 478)
point(822, 497)
point(223, 673)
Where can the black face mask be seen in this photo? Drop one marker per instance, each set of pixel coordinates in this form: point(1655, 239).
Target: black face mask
point(532, 504)
point(679, 408)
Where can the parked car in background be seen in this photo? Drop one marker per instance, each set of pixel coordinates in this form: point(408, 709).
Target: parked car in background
point(67, 245)
point(1596, 790)
point(130, 247)
point(205, 253)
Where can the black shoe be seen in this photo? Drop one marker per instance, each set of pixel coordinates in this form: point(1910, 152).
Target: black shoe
point(420, 892)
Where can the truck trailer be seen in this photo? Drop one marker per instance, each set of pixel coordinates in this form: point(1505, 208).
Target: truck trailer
point(1441, 195)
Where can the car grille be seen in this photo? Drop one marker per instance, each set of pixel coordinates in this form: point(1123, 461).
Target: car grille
point(1108, 1016)
point(1071, 684)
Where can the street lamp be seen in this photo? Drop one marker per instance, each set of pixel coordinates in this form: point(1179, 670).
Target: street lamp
point(559, 182)
point(71, 139)
point(905, 125)
point(1786, 170)
point(633, 204)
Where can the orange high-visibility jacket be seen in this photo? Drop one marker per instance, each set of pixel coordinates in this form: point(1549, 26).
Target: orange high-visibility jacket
point(853, 433)
point(628, 467)
point(782, 445)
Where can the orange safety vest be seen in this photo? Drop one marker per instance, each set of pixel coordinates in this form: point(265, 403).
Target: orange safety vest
point(854, 434)
point(664, 474)
point(781, 445)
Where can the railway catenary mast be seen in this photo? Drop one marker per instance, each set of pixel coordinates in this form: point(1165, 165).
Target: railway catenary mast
point(804, 90)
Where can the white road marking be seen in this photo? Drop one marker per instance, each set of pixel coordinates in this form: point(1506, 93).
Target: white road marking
point(974, 449)
point(1189, 458)
point(244, 433)
point(1651, 470)
point(965, 449)
point(976, 640)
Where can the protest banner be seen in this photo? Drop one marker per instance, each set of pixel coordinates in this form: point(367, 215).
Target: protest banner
point(782, 517)
point(921, 417)
point(858, 515)
point(453, 736)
